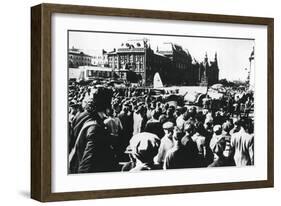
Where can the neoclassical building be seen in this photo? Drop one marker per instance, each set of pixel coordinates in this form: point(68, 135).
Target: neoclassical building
point(78, 58)
point(138, 57)
point(174, 64)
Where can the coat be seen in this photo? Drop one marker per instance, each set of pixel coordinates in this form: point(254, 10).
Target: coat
point(242, 148)
point(92, 151)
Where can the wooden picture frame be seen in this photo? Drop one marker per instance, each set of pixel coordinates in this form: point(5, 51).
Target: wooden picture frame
point(41, 97)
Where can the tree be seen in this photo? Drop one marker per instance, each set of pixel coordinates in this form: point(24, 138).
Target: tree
point(132, 77)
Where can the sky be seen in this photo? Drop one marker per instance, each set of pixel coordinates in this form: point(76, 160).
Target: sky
point(232, 54)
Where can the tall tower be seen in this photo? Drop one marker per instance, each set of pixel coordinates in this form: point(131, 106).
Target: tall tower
point(216, 65)
point(206, 58)
point(205, 66)
point(216, 58)
point(251, 72)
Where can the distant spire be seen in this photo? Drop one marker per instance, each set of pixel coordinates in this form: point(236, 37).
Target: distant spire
point(206, 57)
point(215, 63)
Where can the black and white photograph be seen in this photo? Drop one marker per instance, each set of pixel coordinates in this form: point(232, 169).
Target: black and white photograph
point(141, 101)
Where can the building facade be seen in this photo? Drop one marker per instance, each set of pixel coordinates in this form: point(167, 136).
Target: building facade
point(174, 64)
point(181, 64)
point(99, 58)
point(78, 58)
point(137, 56)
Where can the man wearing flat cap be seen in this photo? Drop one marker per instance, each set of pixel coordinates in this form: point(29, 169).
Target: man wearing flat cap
point(217, 137)
point(144, 147)
point(126, 118)
point(92, 151)
point(184, 152)
point(166, 142)
point(154, 125)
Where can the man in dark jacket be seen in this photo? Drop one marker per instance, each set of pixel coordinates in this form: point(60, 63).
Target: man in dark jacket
point(184, 153)
point(126, 118)
point(75, 128)
point(154, 126)
point(92, 151)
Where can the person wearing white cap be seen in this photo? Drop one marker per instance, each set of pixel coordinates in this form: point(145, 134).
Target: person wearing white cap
point(217, 136)
point(200, 139)
point(166, 142)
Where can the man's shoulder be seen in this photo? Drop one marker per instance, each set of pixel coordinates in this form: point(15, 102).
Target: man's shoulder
point(93, 126)
point(249, 137)
point(236, 135)
point(83, 115)
point(198, 137)
point(110, 119)
point(165, 140)
point(121, 114)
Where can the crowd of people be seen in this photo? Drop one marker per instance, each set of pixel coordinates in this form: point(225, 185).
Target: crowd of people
point(127, 130)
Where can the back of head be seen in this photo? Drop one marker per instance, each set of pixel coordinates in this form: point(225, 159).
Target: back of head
point(178, 133)
point(100, 101)
point(193, 111)
point(156, 114)
point(186, 115)
point(199, 127)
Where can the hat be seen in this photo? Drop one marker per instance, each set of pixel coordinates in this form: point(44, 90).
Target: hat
point(168, 125)
point(144, 146)
point(217, 128)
